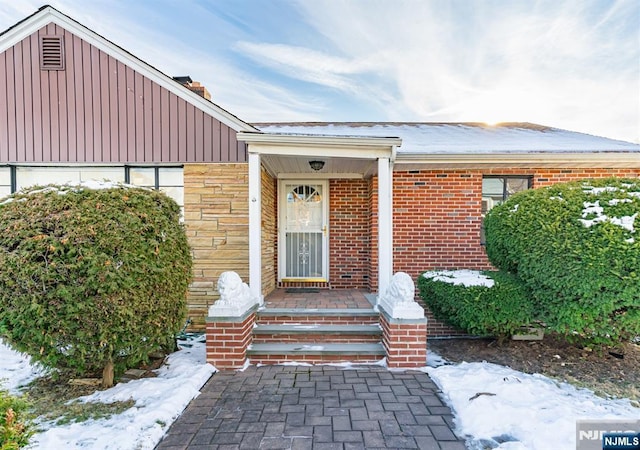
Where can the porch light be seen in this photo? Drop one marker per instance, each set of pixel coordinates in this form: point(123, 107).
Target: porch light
point(316, 165)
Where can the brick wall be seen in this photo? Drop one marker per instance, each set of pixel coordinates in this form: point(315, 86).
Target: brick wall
point(437, 218)
point(349, 246)
point(269, 232)
point(216, 216)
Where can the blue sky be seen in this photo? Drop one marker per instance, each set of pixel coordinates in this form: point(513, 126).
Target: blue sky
point(572, 64)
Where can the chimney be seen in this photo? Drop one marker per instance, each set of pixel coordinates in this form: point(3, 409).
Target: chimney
point(194, 86)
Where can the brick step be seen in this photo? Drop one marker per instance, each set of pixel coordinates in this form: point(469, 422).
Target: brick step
point(270, 353)
point(273, 316)
point(316, 333)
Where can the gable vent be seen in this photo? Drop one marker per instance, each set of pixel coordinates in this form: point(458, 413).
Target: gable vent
point(51, 53)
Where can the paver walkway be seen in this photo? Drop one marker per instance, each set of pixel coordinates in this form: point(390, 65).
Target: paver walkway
point(316, 407)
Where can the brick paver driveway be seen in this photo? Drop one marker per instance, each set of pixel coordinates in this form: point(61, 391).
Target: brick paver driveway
point(317, 407)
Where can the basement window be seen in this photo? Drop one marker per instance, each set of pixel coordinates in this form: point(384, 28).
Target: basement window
point(51, 53)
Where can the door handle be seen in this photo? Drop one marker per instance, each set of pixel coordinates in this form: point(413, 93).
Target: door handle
point(324, 230)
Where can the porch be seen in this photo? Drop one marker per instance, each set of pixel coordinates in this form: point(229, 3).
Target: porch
point(312, 298)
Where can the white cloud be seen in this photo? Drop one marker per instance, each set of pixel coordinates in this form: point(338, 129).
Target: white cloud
point(572, 64)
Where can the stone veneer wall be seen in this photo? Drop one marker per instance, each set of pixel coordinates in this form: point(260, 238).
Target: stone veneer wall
point(269, 232)
point(216, 217)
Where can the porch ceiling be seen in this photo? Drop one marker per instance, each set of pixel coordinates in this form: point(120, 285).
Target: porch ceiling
point(291, 166)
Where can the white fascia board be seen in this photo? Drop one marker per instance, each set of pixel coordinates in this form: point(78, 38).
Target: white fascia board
point(51, 15)
point(320, 146)
point(595, 160)
point(321, 176)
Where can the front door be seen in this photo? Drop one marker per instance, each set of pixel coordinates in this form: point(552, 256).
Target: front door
point(303, 230)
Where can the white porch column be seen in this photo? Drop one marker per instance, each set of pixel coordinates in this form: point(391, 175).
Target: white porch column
point(255, 226)
point(385, 231)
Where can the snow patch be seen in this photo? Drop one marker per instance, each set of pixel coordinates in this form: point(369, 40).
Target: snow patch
point(16, 369)
point(531, 411)
point(463, 277)
point(158, 402)
point(594, 209)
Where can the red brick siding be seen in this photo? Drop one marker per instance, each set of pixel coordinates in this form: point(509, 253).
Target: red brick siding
point(319, 320)
point(437, 218)
point(315, 338)
point(349, 246)
point(405, 344)
point(227, 342)
point(313, 359)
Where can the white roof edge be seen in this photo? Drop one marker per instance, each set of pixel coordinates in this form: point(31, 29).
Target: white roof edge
point(48, 14)
point(310, 139)
point(609, 159)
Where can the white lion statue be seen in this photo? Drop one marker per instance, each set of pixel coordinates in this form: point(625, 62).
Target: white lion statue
point(398, 300)
point(401, 289)
point(235, 296)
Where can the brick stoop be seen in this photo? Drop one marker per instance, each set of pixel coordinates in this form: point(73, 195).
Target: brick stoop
point(316, 336)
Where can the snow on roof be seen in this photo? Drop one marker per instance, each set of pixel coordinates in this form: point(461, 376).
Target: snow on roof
point(463, 138)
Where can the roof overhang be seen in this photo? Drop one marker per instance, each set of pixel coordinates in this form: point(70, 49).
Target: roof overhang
point(321, 145)
point(406, 161)
point(48, 14)
point(288, 155)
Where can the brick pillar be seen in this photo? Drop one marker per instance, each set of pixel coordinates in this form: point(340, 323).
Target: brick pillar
point(228, 339)
point(404, 326)
point(405, 341)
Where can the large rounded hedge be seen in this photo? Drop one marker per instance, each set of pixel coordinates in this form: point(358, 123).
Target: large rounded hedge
point(92, 278)
point(577, 247)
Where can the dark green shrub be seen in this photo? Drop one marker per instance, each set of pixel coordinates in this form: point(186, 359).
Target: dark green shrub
point(92, 278)
point(576, 247)
point(15, 427)
point(500, 310)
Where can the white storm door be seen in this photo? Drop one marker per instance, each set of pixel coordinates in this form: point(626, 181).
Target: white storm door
point(303, 230)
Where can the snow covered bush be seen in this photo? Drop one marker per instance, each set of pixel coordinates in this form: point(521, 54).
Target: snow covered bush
point(577, 248)
point(15, 427)
point(92, 277)
point(481, 303)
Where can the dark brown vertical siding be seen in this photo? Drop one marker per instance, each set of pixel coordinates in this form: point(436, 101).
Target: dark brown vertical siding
point(28, 104)
point(20, 137)
point(190, 149)
point(97, 110)
point(4, 119)
point(11, 105)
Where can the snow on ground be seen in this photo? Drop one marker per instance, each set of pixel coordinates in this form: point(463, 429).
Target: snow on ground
point(158, 402)
point(16, 369)
point(464, 277)
point(494, 406)
point(506, 409)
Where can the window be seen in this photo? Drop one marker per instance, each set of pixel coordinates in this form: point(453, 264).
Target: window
point(5, 181)
point(30, 175)
point(496, 189)
point(169, 180)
